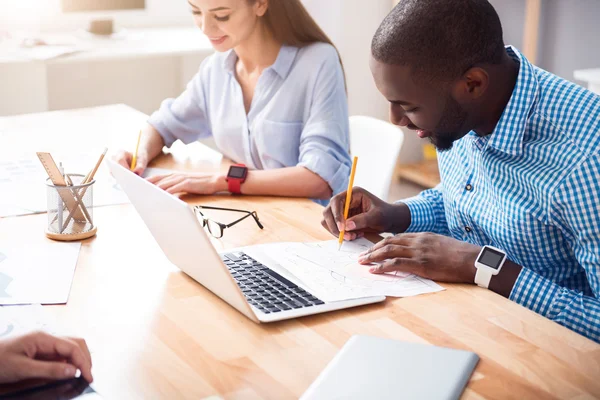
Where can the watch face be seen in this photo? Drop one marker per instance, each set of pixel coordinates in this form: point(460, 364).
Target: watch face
point(491, 258)
point(237, 172)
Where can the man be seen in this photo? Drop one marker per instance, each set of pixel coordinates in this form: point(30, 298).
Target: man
point(519, 158)
point(39, 355)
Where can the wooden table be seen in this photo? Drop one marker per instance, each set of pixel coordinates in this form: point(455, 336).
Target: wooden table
point(155, 333)
point(425, 173)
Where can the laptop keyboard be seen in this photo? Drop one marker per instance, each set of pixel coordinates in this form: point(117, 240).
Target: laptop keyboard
point(264, 288)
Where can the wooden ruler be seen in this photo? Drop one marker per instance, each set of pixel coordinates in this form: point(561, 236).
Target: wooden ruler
point(58, 180)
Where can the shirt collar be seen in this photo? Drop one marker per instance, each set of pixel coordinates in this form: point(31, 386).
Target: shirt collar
point(508, 134)
point(282, 66)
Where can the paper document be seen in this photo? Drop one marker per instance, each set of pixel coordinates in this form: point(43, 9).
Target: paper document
point(335, 276)
point(31, 274)
point(24, 190)
point(148, 172)
point(19, 320)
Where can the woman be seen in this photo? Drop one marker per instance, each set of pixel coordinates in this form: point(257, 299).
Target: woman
point(273, 97)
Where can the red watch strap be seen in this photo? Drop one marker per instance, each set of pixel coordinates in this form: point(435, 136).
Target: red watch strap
point(234, 185)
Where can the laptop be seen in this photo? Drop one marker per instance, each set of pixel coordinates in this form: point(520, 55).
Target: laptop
point(370, 367)
point(250, 284)
point(75, 388)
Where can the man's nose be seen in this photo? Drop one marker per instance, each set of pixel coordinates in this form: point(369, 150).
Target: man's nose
point(398, 117)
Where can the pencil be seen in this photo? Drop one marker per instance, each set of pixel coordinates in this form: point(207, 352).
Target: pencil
point(348, 198)
point(79, 195)
point(134, 159)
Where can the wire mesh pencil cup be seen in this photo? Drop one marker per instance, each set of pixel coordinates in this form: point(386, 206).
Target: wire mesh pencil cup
point(70, 209)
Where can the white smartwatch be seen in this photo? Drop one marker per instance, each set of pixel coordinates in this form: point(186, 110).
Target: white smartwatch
point(489, 263)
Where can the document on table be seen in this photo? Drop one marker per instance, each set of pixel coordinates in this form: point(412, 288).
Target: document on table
point(19, 320)
point(335, 276)
point(31, 274)
point(24, 190)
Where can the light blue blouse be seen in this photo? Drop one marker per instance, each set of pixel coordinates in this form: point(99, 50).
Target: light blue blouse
point(298, 116)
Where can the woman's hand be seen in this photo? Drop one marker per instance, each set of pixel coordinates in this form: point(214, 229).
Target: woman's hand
point(42, 356)
point(124, 158)
point(192, 183)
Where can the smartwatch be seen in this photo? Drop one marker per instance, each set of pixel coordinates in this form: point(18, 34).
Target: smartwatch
point(489, 263)
point(235, 177)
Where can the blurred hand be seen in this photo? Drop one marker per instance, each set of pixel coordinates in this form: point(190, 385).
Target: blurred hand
point(367, 214)
point(42, 356)
point(192, 183)
point(124, 158)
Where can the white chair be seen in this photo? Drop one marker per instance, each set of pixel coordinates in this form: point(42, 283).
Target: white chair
point(377, 144)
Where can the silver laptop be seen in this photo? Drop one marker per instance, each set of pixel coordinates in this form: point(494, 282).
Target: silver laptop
point(370, 367)
point(251, 285)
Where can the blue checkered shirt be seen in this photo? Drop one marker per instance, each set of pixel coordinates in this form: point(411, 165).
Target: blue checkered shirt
point(531, 188)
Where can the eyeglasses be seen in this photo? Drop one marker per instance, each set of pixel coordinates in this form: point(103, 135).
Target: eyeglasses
point(216, 228)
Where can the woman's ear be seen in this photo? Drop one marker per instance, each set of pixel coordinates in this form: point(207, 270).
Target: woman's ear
point(261, 7)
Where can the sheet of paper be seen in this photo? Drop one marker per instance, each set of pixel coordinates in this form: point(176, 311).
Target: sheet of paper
point(19, 320)
point(335, 276)
point(31, 274)
point(24, 190)
point(148, 172)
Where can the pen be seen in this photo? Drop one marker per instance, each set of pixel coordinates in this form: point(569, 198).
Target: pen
point(79, 195)
point(134, 159)
point(348, 198)
point(60, 201)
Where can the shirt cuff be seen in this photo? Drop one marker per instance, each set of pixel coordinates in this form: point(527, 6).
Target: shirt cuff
point(334, 172)
point(422, 214)
point(534, 292)
point(157, 121)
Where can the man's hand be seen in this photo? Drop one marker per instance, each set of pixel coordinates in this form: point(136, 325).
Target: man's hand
point(43, 356)
point(436, 257)
point(367, 213)
point(192, 183)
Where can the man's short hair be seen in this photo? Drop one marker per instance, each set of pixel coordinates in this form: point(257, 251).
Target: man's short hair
point(440, 39)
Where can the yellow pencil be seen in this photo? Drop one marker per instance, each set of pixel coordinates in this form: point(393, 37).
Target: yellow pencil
point(134, 159)
point(348, 198)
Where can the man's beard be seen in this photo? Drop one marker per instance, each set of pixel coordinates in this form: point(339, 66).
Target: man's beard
point(449, 128)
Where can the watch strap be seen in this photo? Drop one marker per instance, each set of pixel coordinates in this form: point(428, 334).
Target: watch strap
point(483, 278)
point(234, 185)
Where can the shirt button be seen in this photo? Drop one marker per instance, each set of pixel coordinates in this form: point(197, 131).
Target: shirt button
point(469, 187)
point(468, 229)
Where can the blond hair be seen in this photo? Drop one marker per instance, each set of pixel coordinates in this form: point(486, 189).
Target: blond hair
point(292, 25)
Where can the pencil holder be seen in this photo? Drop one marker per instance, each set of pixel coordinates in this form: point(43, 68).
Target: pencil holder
point(70, 209)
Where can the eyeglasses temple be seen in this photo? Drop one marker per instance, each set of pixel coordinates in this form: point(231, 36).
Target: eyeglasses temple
point(252, 214)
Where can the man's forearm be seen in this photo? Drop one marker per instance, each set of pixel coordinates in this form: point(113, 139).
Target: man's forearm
point(399, 218)
point(504, 282)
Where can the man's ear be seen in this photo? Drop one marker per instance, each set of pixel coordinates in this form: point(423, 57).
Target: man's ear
point(261, 7)
point(471, 85)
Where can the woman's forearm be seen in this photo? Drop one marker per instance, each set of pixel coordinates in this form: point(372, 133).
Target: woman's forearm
point(288, 182)
point(151, 143)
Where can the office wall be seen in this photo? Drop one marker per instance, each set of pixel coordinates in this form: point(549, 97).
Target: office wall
point(351, 25)
point(568, 35)
point(512, 16)
point(46, 15)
